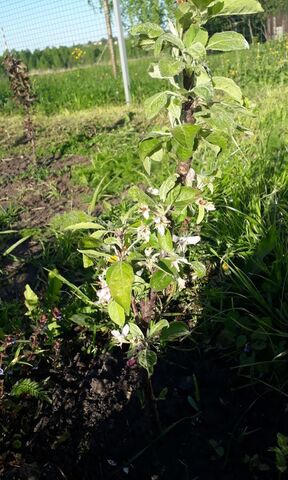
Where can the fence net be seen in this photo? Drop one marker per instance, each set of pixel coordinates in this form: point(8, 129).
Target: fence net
point(45, 26)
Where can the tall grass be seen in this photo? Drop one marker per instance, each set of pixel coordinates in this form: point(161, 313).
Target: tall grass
point(249, 235)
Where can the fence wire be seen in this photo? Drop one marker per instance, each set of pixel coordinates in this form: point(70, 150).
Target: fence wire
point(38, 24)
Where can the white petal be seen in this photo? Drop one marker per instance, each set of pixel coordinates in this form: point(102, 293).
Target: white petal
point(193, 240)
point(153, 191)
point(125, 330)
point(210, 207)
point(190, 177)
point(116, 333)
point(181, 283)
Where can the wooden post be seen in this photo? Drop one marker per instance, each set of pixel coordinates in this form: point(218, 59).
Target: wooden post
point(110, 36)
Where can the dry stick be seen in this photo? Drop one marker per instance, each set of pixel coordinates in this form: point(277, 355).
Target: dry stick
point(22, 90)
point(110, 36)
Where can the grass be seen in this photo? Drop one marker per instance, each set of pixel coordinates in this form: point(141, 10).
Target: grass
point(83, 88)
point(249, 302)
point(95, 86)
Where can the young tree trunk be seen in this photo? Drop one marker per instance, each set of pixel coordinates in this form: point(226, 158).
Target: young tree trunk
point(110, 36)
point(251, 30)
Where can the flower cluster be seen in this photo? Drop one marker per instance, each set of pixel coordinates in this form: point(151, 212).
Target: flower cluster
point(78, 53)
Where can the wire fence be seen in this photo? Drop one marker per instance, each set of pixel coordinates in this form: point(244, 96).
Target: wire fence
point(42, 31)
point(38, 24)
point(52, 36)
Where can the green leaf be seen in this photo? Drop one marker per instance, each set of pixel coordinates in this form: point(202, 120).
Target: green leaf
point(149, 146)
point(184, 15)
point(185, 135)
point(26, 386)
point(199, 269)
point(84, 226)
point(119, 279)
point(195, 34)
point(160, 280)
point(146, 43)
point(166, 186)
point(197, 51)
point(147, 359)
point(31, 299)
point(116, 313)
point(227, 41)
point(16, 244)
point(175, 107)
point(186, 197)
point(175, 331)
point(167, 38)
point(154, 104)
point(228, 86)
point(157, 156)
point(204, 91)
point(218, 139)
point(54, 287)
point(147, 165)
point(83, 320)
point(169, 67)
point(201, 214)
point(135, 332)
point(94, 253)
point(221, 119)
point(97, 234)
point(139, 196)
point(165, 241)
point(156, 328)
point(75, 289)
point(152, 30)
point(87, 261)
point(240, 7)
point(215, 9)
point(202, 4)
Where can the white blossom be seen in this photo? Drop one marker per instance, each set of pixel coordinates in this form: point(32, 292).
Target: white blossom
point(150, 261)
point(161, 223)
point(208, 206)
point(183, 242)
point(181, 283)
point(176, 263)
point(103, 293)
point(153, 191)
point(143, 233)
point(120, 336)
point(145, 211)
point(190, 177)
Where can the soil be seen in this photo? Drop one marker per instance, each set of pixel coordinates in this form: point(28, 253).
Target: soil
point(38, 201)
point(96, 428)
